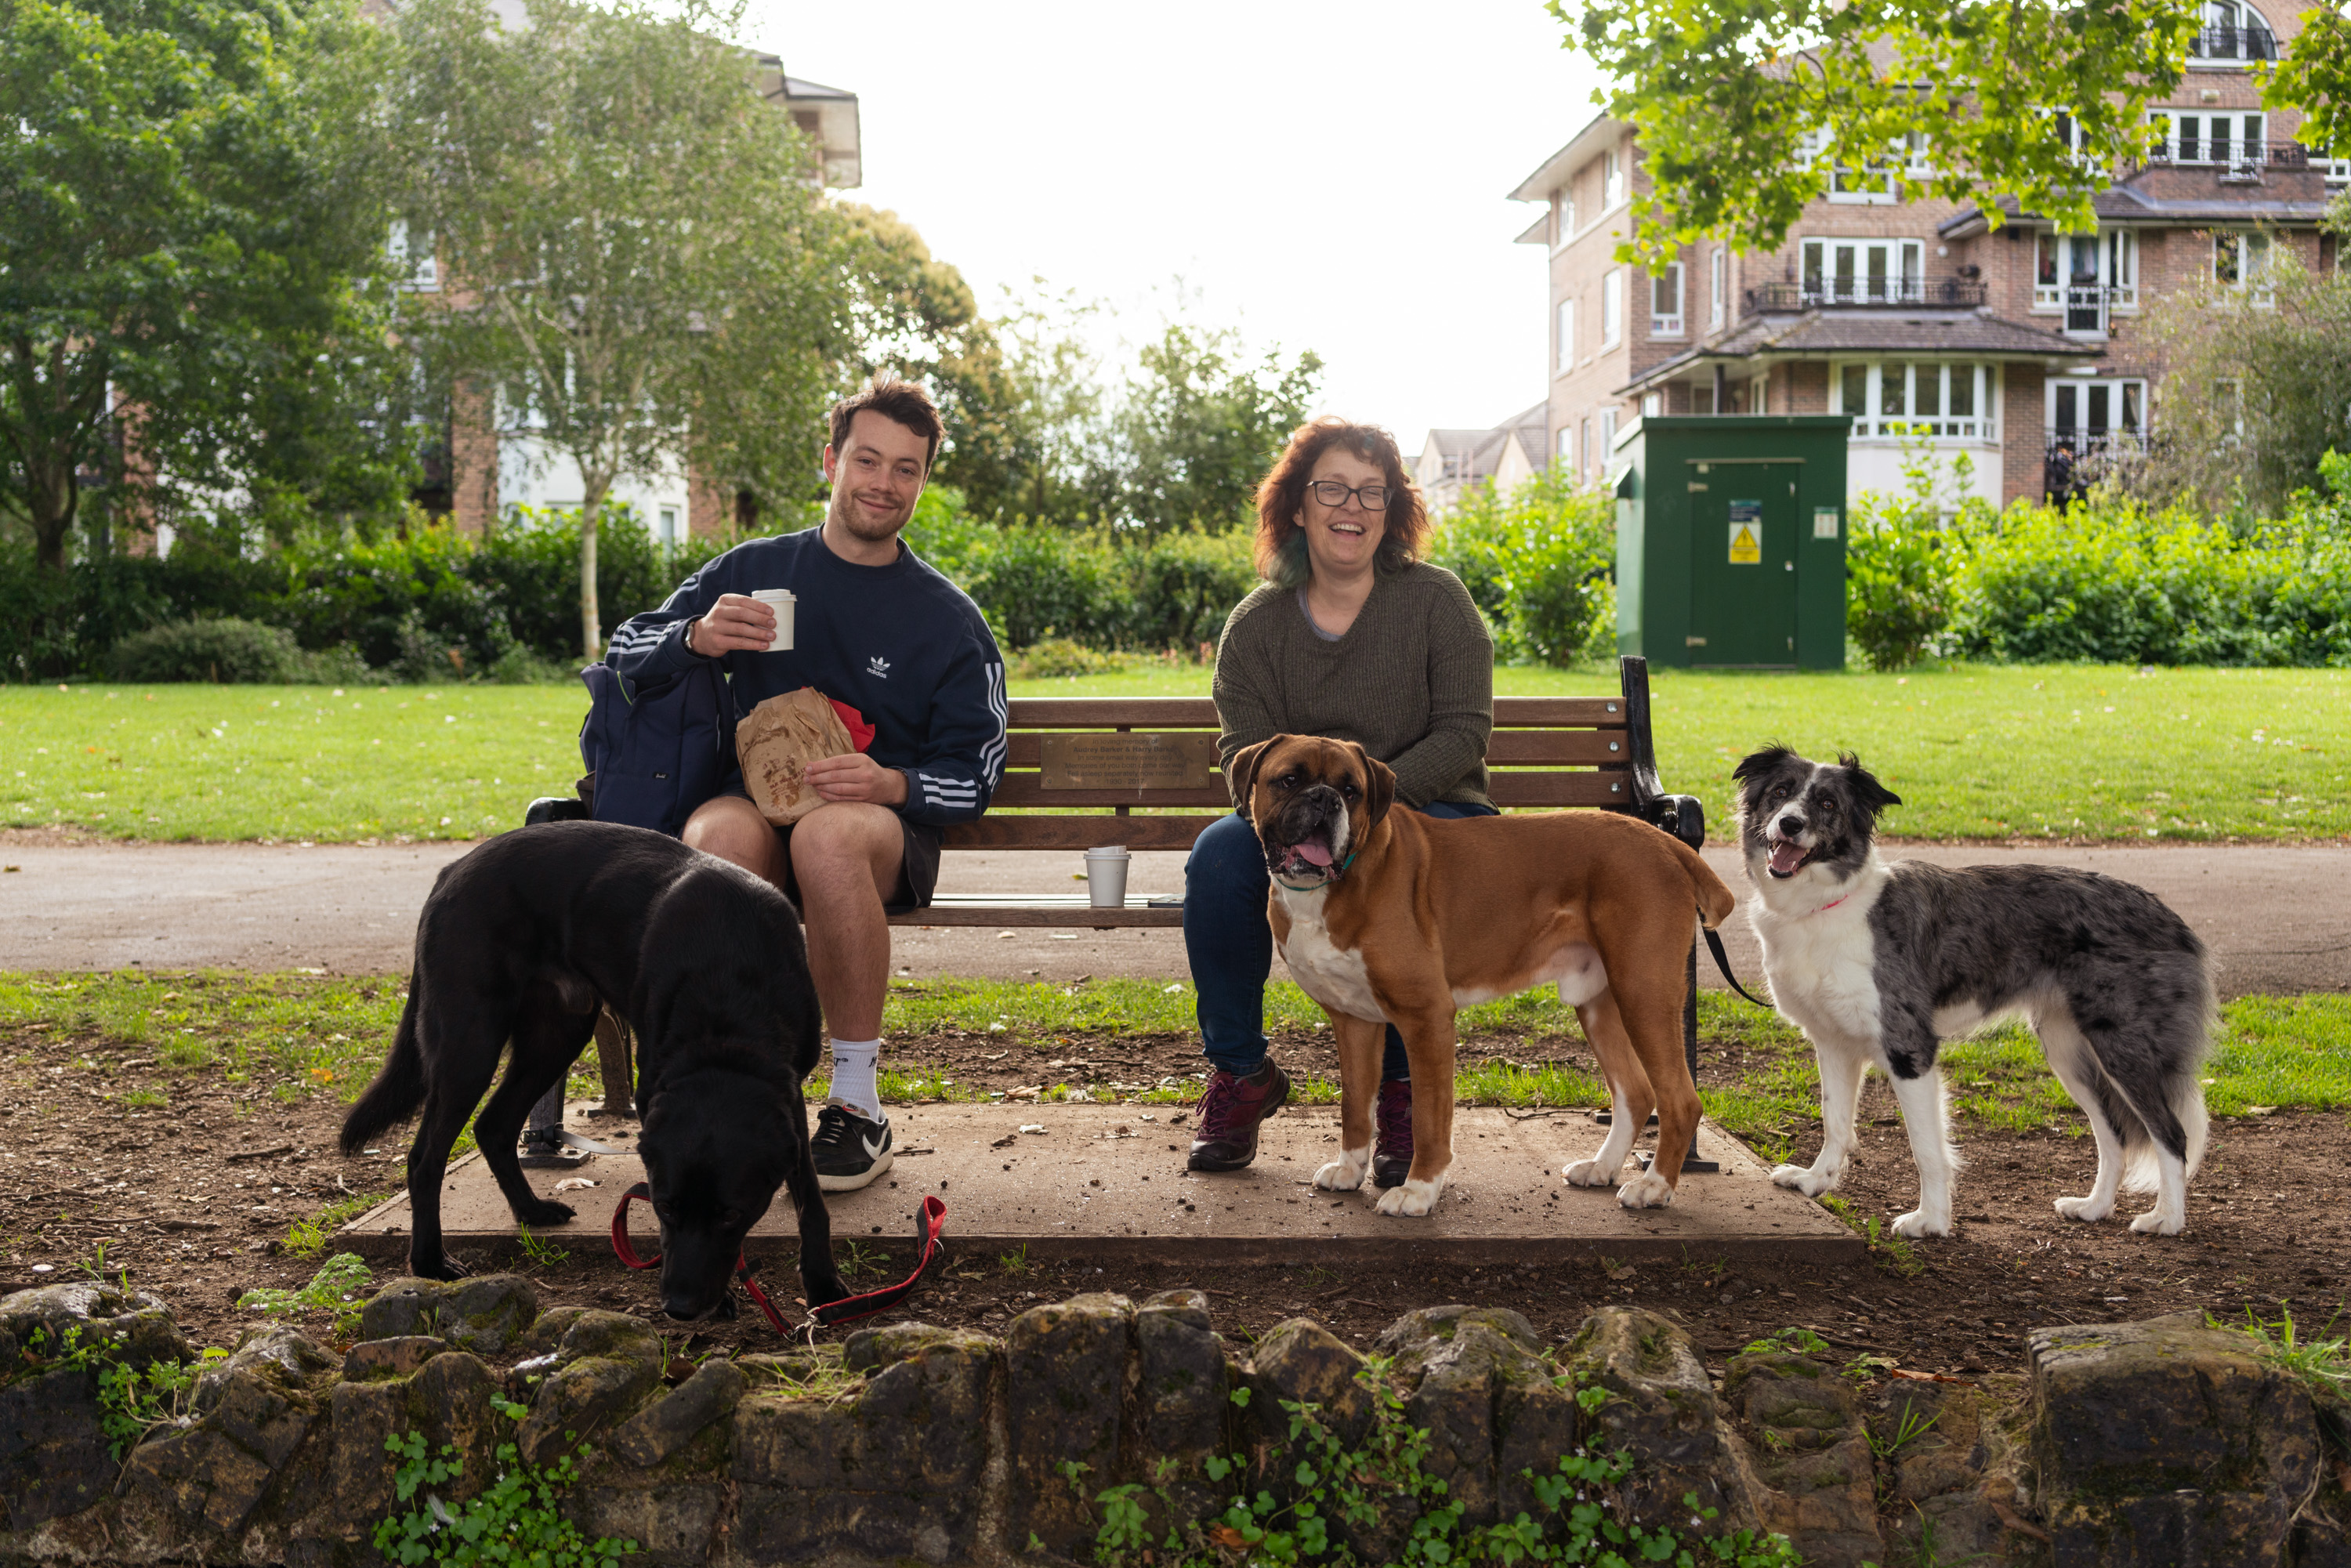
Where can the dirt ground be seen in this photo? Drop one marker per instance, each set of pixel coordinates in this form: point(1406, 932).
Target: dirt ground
point(195, 1202)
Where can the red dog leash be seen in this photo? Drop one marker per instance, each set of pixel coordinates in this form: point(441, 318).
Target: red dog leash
point(930, 1224)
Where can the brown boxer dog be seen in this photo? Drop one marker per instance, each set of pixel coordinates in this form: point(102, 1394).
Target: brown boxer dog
point(1386, 916)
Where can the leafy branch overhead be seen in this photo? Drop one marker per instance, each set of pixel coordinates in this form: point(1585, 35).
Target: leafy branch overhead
point(1748, 110)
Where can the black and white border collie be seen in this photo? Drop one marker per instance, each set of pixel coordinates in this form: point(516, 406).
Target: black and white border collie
point(1879, 963)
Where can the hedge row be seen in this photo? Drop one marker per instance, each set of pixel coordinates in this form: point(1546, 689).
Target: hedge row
point(2108, 581)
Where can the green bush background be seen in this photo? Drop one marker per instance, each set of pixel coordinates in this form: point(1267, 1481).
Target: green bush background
point(2110, 580)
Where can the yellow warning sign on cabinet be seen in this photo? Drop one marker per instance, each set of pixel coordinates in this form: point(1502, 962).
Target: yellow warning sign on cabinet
point(1746, 533)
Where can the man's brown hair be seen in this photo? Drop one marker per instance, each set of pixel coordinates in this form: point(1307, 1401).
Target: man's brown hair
point(902, 403)
point(1282, 542)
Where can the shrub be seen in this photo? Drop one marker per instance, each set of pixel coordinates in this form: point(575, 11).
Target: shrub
point(1540, 561)
point(1057, 657)
point(224, 652)
point(2114, 581)
point(1898, 562)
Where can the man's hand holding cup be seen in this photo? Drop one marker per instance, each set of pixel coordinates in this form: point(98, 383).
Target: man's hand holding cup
point(738, 623)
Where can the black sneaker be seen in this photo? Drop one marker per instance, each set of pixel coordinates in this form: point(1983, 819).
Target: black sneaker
point(544, 1149)
point(1230, 1114)
point(850, 1150)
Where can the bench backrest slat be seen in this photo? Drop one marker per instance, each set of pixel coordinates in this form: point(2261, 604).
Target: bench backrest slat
point(1546, 753)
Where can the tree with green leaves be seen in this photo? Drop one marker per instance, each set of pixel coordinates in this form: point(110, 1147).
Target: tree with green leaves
point(192, 257)
point(635, 251)
point(1748, 110)
point(1200, 424)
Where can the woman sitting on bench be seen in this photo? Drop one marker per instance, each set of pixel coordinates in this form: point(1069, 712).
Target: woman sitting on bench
point(1354, 637)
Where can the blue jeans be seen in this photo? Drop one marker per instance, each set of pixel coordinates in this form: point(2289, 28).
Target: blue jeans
point(1230, 945)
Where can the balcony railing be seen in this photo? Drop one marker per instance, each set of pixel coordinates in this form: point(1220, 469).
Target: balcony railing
point(2233, 156)
point(2087, 305)
point(2234, 44)
point(1781, 297)
point(2074, 459)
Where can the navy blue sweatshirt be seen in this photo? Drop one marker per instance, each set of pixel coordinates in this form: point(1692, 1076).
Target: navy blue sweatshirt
point(899, 643)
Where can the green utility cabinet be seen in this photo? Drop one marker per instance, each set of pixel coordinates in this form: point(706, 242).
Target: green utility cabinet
point(1731, 540)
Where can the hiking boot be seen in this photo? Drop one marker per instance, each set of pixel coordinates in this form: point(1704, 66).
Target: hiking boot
point(1230, 1114)
point(850, 1150)
point(1392, 1157)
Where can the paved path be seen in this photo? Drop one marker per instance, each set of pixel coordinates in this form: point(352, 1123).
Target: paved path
point(2278, 918)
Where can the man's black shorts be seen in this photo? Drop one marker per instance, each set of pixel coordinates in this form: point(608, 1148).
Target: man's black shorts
point(918, 863)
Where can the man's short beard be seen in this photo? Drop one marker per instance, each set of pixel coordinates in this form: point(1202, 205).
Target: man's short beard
point(845, 511)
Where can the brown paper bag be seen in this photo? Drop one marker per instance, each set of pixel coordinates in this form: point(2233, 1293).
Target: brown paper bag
point(777, 740)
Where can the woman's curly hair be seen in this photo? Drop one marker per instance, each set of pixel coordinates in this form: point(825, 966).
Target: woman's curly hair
point(1282, 540)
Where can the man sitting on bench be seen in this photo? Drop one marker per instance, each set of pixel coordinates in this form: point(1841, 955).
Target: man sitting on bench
point(878, 628)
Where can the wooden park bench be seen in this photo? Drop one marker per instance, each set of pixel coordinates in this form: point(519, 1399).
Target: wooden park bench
point(1141, 772)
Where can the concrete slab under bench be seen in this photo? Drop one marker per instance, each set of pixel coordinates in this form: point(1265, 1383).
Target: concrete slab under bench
point(1107, 1182)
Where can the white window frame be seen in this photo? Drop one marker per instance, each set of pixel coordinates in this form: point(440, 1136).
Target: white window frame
point(1759, 393)
point(2121, 394)
point(419, 273)
point(1873, 425)
point(1612, 178)
point(1563, 330)
point(2113, 273)
point(1665, 324)
point(665, 526)
point(1717, 293)
point(2248, 253)
point(2186, 137)
point(1611, 308)
point(1608, 434)
point(2339, 171)
point(1563, 444)
point(1903, 276)
point(2220, 15)
point(1652, 405)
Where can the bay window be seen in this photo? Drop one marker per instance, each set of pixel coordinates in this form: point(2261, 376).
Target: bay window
point(1932, 398)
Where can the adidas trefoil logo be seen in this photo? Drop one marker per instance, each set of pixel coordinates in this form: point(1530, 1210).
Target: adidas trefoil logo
point(878, 667)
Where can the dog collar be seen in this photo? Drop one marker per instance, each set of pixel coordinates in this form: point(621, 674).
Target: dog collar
point(1832, 904)
point(1326, 882)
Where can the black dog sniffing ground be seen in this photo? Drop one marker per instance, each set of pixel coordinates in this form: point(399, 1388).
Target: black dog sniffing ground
point(517, 946)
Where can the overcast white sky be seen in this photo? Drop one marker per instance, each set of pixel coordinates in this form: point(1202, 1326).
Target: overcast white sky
point(1326, 176)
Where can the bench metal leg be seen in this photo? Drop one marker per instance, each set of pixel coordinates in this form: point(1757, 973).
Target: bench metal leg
point(614, 1048)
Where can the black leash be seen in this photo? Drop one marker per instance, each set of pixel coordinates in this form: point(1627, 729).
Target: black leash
point(1722, 962)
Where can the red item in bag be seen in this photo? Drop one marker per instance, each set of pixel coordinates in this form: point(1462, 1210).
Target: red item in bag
point(861, 734)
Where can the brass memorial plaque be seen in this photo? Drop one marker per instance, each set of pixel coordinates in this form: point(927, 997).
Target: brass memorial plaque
point(1180, 761)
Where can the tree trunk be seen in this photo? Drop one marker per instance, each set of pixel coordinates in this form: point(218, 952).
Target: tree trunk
point(51, 498)
point(592, 631)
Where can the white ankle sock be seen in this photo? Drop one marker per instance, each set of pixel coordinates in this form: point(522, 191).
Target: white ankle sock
point(855, 1063)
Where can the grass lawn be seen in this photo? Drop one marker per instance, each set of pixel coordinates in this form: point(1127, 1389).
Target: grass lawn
point(292, 1036)
point(1977, 751)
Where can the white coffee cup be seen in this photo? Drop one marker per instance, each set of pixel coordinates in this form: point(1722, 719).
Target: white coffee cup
point(1106, 876)
point(779, 600)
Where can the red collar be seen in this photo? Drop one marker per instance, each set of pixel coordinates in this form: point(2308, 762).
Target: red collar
point(1832, 904)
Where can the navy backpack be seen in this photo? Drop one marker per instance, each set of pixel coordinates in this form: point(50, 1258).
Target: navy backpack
point(656, 752)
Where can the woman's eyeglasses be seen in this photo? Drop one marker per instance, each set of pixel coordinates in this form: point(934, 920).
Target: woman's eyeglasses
point(1331, 493)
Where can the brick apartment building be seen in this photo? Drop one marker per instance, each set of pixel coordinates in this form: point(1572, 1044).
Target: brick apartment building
point(493, 461)
point(2012, 346)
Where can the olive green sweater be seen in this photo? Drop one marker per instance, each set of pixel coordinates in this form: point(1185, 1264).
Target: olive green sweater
point(1412, 682)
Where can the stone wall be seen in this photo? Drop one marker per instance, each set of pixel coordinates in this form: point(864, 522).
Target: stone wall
point(2161, 1442)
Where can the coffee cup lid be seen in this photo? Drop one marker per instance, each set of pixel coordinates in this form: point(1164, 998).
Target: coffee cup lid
point(1110, 850)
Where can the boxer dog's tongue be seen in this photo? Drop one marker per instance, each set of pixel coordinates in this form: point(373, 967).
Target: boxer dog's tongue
point(1786, 856)
point(1313, 852)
